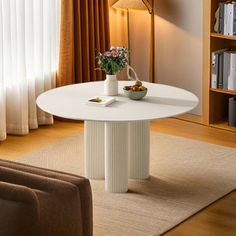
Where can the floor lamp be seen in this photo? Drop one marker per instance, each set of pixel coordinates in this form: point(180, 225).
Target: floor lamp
point(146, 5)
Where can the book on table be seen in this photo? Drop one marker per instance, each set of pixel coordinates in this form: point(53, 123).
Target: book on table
point(100, 101)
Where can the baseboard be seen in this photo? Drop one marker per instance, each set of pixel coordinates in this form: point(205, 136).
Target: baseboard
point(191, 118)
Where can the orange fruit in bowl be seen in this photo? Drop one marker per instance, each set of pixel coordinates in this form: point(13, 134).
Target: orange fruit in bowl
point(135, 88)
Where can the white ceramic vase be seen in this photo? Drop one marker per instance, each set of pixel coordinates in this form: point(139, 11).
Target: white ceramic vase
point(111, 85)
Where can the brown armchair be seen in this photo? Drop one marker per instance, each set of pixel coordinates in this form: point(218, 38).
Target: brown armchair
point(40, 202)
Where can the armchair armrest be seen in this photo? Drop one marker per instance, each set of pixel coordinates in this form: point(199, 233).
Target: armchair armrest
point(19, 210)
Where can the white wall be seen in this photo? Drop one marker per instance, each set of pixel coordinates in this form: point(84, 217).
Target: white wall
point(179, 44)
point(140, 43)
point(118, 26)
point(118, 31)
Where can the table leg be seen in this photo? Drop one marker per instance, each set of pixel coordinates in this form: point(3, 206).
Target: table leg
point(94, 150)
point(116, 157)
point(139, 149)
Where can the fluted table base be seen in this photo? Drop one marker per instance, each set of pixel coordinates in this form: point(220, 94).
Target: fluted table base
point(139, 149)
point(117, 151)
point(94, 141)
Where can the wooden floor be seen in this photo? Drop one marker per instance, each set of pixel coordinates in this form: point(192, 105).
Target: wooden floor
point(217, 219)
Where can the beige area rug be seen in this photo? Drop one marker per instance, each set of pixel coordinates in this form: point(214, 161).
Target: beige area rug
point(186, 176)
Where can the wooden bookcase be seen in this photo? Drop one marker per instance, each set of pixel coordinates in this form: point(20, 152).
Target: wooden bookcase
point(215, 103)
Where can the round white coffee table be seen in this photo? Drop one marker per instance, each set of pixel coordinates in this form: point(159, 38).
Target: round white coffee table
point(117, 136)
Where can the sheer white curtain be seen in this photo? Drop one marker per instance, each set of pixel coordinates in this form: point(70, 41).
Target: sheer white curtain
point(29, 44)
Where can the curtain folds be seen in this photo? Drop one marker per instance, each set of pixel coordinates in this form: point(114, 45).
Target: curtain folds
point(84, 32)
point(29, 45)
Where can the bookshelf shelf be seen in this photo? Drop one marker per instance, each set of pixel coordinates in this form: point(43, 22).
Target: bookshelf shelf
point(223, 124)
point(232, 92)
point(215, 100)
point(222, 36)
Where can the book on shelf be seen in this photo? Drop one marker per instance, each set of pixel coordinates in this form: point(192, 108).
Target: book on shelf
point(214, 71)
point(220, 74)
point(232, 73)
point(223, 69)
point(226, 18)
point(217, 68)
point(221, 19)
point(226, 69)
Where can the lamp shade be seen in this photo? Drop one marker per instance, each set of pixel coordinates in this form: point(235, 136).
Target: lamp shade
point(130, 4)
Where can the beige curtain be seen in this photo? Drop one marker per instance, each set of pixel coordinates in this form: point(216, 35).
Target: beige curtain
point(84, 31)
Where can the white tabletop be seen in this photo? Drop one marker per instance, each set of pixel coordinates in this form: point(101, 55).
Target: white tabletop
point(161, 101)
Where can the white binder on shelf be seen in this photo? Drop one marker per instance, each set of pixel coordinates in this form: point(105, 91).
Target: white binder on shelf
point(232, 73)
point(231, 19)
point(214, 70)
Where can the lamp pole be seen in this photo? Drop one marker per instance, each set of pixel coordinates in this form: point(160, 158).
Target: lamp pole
point(128, 29)
point(150, 6)
point(152, 48)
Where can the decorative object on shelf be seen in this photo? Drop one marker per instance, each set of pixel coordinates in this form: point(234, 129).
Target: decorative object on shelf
point(112, 62)
point(141, 5)
point(232, 111)
point(136, 91)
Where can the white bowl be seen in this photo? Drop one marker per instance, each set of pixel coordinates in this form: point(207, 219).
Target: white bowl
point(135, 95)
